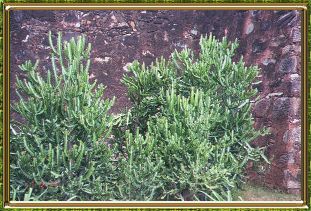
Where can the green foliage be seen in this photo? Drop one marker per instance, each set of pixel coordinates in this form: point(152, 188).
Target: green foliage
point(59, 149)
point(195, 115)
point(187, 136)
point(139, 171)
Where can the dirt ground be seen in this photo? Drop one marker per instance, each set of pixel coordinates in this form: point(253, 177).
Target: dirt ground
point(251, 192)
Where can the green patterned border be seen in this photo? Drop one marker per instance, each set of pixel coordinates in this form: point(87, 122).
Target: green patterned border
point(155, 1)
point(1, 105)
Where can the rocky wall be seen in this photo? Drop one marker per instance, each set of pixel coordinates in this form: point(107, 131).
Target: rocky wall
point(275, 47)
point(269, 39)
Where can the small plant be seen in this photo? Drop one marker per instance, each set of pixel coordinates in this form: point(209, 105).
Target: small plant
point(59, 151)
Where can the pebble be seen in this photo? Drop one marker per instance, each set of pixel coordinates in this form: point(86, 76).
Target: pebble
point(267, 61)
point(126, 66)
point(194, 32)
point(274, 94)
point(249, 28)
point(26, 39)
point(132, 24)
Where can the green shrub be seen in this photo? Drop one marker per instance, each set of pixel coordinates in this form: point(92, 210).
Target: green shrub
point(196, 113)
point(187, 136)
point(59, 151)
point(139, 171)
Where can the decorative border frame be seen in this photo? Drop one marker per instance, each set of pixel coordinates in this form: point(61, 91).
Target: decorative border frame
point(7, 7)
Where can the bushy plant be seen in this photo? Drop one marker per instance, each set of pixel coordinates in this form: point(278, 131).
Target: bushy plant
point(139, 168)
point(197, 116)
point(59, 149)
point(187, 136)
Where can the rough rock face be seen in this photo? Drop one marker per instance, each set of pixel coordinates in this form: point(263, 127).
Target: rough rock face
point(275, 47)
point(269, 39)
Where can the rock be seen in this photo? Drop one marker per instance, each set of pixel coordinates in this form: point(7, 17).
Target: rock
point(283, 160)
point(131, 40)
point(290, 85)
point(292, 135)
point(165, 36)
point(297, 146)
point(291, 158)
point(194, 31)
point(258, 85)
point(40, 15)
point(113, 18)
point(295, 85)
point(249, 28)
point(288, 64)
point(126, 67)
point(293, 171)
point(287, 19)
point(274, 94)
point(255, 12)
point(147, 53)
point(122, 24)
point(261, 107)
point(26, 39)
point(102, 60)
point(265, 25)
point(133, 26)
point(293, 184)
point(71, 17)
point(298, 158)
point(43, 15)
point(296, 121)
point(259, 46)
point(68, 35)
point(280, 109)
point(18, 16)
point(270, 72)
point(295, 107)
point(296, 34)
point(276, 41)
point(291, 49)
point(268, 61)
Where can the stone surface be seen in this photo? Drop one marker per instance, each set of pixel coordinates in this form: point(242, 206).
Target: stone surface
point(295, 108)
point(293, 135)
point(288, 64)
point(261, 107)
point(291, 49)
point(249, 28)
point(296, 34)
point(281, 108)
point(290, 85)
point(293, 184)
point(268, 61)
